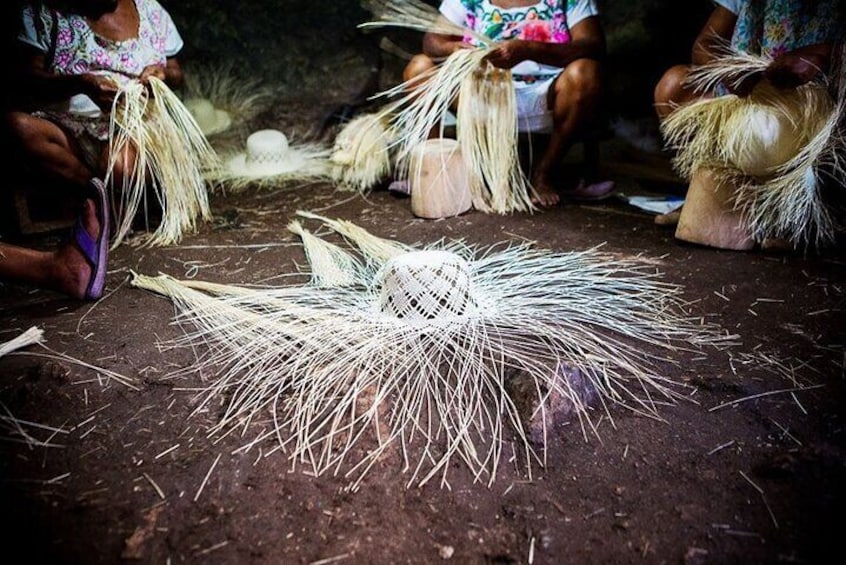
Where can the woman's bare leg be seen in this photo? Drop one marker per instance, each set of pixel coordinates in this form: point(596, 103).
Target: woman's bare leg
point(671, 90)
point(573, 98)
point(48, 147)
point(65, 270)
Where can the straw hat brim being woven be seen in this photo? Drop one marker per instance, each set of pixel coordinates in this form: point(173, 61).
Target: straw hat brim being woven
point(240, 166)
point(268, 154)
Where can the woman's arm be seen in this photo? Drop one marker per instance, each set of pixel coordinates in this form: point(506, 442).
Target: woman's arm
point(714, 36)
point(37, 85)
point(439, 46)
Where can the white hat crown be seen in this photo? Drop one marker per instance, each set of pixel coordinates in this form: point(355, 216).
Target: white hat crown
point(210, 119)
point(426, 286)
point(267, 147)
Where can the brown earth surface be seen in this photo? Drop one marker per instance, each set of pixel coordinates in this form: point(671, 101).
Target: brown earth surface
point(748, 467)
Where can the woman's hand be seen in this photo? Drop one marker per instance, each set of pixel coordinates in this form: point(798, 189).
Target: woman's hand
point(788, 70)
point(792, 69)
point(508, 54)
point(157, 71)
point(101, 89)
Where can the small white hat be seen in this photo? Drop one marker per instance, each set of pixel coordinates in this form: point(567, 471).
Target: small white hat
point(428, 287)
point(210, 119)
point(268, 154)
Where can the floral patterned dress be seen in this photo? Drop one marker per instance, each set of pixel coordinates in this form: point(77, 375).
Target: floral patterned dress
point(773, 27)
point(72, 48)
point(548, 21)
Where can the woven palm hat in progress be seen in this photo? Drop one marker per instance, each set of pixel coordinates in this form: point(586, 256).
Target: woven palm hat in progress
point(210, 120)
point(225, 101)
point(408, 355)
point(775, 147)
point(269, 158)
point(267, 154)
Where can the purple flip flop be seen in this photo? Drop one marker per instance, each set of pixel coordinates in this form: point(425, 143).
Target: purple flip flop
point(95, 251)
point(591, 192)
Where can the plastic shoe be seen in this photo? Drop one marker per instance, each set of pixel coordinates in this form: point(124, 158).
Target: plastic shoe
point(591, 192)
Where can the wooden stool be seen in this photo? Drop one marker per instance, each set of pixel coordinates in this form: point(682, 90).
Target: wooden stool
point(40, 209)
point(533, 145)
point(708, 216)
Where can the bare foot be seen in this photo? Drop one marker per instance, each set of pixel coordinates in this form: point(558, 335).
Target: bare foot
point(544, 195)
point(671, 218)
point(73, 272)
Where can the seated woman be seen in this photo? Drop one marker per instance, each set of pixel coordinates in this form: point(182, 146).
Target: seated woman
point(554, 49)
point(73, 56)
point(798, 36)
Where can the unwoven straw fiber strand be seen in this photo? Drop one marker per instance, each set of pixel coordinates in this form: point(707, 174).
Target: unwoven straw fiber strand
point(330, 264)
point(413, 363)
point(242, 97)
point(486, 114)
point(173, 157)
point(417, 15)
point(31, 336)
point(376, 249)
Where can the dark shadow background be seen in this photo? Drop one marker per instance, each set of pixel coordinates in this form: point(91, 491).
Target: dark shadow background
point(318, 60)
point(308, 46)
point(291, 41)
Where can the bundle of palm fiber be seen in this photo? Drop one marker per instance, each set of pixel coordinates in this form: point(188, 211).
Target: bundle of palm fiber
point(486, 114)
point(487, 134)
point(407, 352)
point(417, 15)
point(773, 146)
point(172, 159)
point(361, 155)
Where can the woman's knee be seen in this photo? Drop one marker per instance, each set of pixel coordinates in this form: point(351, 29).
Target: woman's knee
point(22, 126)
point(123, 165)
point(581, 80)
point(418, 65)
point(671, 86)
point(33, 136)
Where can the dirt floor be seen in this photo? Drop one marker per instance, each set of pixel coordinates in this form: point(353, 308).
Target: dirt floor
point(749, 467)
